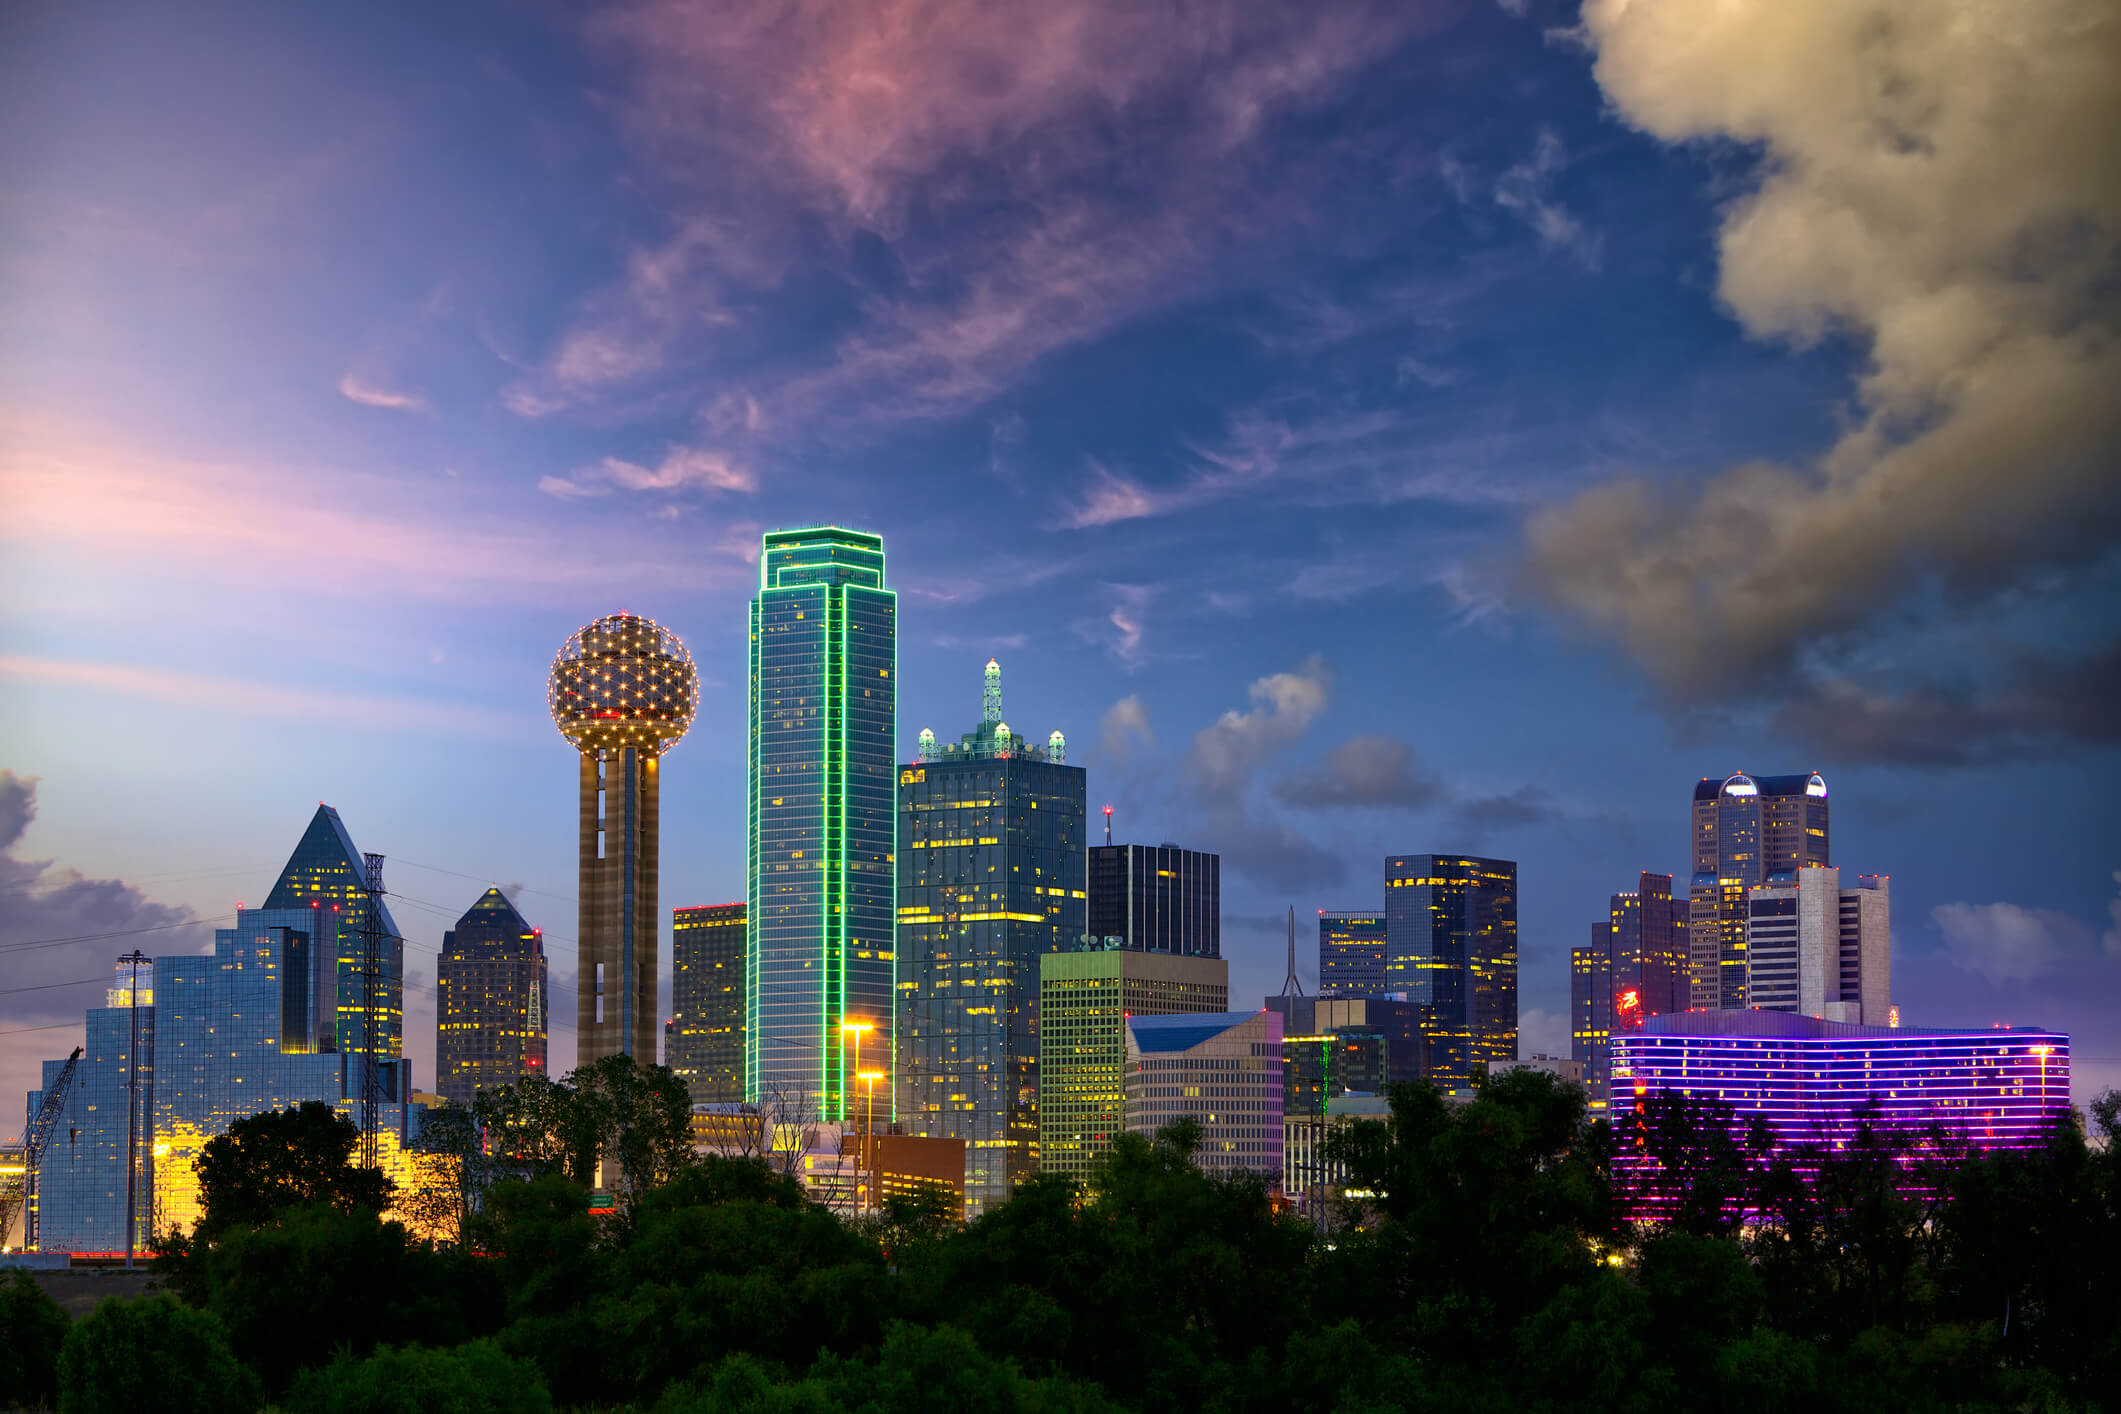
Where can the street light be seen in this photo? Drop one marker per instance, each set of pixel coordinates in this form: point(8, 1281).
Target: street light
point(869, 1079)
point(852, 1029)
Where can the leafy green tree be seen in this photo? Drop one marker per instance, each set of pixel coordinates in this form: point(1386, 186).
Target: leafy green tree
point(642, 1118)
point(151, 1355)
point(295, 1292)
point(267, 1163)
point(478, 1378)
point(32, 1329)
point(534, 1129)
point(451, 1172)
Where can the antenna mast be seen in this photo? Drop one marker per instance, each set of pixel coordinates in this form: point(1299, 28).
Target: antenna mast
point(1290, 986)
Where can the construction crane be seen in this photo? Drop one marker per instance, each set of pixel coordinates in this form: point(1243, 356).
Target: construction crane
point(22, 1192)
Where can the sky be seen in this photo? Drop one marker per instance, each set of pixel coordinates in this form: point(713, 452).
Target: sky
point(1437, 425)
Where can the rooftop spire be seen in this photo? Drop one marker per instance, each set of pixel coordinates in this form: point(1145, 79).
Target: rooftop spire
point(993, 704)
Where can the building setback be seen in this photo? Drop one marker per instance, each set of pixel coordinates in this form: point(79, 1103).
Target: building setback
point(1747, 830)
point(1451, 946)
point(706, 1033)
point(1351, 954)
point(490, 991)
point(1221, 1070)
point(1085, 999)
point(990, 880)
point(1157, 898)
point(1819, 949)
point(821, 801)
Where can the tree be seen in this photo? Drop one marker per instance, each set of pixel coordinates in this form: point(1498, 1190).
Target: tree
point(32, 1329)
point(450, 1172)
point(478, 1378)
point(641, 1116)
point(151, 1355)
point(268, 1163)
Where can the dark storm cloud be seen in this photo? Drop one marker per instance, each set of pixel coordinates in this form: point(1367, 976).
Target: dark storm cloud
point(1983, 283)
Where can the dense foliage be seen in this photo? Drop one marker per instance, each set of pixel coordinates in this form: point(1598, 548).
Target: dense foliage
point(32, 1329)
point(151, 1355)
point(1487, 1265)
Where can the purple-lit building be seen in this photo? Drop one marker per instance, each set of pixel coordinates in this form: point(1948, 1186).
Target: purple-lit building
point(1999, 1087)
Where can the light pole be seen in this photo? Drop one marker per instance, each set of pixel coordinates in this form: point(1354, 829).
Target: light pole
point(853, 1029)
point(870, 1176)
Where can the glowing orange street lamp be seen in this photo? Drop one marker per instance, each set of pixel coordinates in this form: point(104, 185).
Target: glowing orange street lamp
point(869, 1175)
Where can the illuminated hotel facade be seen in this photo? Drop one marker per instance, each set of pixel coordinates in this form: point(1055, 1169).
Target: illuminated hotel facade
point(821, 961)
point(706, 1048)
point(491, 987)
point(1451, 948)
point(990, 881)
point(2000, 1088)
point(1747, 830)
point(622, 691)
point(1085, 1000)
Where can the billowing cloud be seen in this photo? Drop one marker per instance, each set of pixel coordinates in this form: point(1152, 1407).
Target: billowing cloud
point(1367, 772)
point(372, 395)
point(1229, 751)
point(1939, 182)
point(2006, 942)
point(681, 469)
point(1125, 726)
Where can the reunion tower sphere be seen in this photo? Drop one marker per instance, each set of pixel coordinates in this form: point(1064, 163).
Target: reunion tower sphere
point(621, 681)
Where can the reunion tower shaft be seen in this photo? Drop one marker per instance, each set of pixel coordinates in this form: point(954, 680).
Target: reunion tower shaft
point(622, 691)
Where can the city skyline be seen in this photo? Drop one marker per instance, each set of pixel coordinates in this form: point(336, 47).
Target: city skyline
point(1368, 437)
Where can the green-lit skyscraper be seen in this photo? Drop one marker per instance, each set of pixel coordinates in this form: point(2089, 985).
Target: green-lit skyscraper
point(824, 699)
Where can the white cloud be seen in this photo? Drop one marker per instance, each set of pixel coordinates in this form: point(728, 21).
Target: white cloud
point(681, 469)
point(1227, 752)
point(1124, 725)
point(2004, 942)
point(371, 395)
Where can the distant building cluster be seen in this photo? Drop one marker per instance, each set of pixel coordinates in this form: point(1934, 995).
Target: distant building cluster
point(938, 984)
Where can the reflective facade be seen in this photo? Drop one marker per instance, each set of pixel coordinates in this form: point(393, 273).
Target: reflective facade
point(327, 876)
point(990, 880)
point(1747, 830)
point(706, 1034)
point(1351, 954)
point(1085, 1001)
point(1222, 1070)
point(1157, 898)
point(1451, 946)
point(490, 991)
point(821, 819)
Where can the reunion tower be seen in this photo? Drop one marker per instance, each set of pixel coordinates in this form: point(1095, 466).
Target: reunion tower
point(622, 691)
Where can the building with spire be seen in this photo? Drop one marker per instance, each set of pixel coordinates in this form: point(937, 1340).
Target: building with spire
point(991, 879)
point(490, 999)
point(821, 883)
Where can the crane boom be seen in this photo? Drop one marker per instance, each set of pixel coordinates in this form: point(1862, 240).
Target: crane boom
point(22, 1192)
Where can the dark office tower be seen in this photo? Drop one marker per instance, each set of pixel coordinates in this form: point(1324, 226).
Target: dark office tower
point(490, 989)
point(327, 877)
point(1591, 1010)
point(1451, 946)
point(1157, 898)
point(622, 691)
point(1351, 954)
point(1747, 830)
point(824, 707)
point(705, 1043)
point(1634, 969)
point(990, 848)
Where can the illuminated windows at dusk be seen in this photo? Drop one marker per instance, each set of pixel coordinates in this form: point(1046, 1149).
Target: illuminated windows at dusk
point(490, 1008)
point(706, 1038)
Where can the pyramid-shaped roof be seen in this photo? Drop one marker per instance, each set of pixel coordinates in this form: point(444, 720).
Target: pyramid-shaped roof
point(495, 909)
point(326, 865)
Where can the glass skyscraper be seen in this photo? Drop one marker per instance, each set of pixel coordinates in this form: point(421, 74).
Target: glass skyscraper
point(1157, 898)
point(1635, 968)
point(706, 1037)
point(328, 878)
point(1351, 954)
point(1747, 830)
point(822, 869)
point(991, 878)
point(491, 990)
point(1451, 947)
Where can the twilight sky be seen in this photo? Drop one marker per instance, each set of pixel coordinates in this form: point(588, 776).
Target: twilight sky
point(1363, 428)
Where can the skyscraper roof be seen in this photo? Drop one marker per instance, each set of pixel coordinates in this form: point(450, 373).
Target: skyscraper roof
point(326, 864)
point(495, 907)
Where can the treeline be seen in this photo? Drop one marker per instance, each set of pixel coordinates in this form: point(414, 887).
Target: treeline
point(1491, 1266)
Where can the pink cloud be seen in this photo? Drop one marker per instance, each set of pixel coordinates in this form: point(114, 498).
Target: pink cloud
point(372, 395)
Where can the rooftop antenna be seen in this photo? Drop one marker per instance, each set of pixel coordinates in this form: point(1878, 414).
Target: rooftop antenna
point(993, 699)
point(1108, 825)
point(1290, 986)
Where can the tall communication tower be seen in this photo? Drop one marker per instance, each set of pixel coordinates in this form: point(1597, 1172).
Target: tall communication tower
point(1291, 986)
